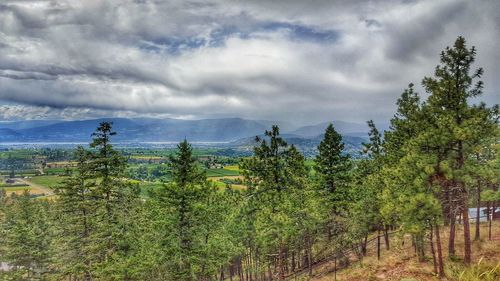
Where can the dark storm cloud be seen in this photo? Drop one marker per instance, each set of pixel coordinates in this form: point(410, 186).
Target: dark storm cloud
point(345, 60)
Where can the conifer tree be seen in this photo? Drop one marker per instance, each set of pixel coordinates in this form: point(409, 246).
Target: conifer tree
point(187, 223)
point(28, 235)
point(274, 176)
point(457, 127)
point(95, 209)
point(78, 203)
point(332, 165)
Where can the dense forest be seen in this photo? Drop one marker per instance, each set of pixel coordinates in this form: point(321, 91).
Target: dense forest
point(440, 157)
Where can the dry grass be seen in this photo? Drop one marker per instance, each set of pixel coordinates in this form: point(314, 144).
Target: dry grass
point(401, 264)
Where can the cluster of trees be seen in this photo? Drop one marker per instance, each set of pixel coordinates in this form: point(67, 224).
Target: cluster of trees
point(148, 172)
point(439, 156)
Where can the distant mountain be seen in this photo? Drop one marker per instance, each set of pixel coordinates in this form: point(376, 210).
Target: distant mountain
point(307, 145)
point(18, 125)
point(344, 128)
point(140, 130)
point(284, 125)
point(7, 134)
point(236, 132)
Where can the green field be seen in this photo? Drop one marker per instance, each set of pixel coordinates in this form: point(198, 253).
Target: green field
point(48, 181)
point(232, 168)
point(221, 172)
point(18, 154)
point(29, 172)
point(15, 188)
point(2, 185)
point(58, 171)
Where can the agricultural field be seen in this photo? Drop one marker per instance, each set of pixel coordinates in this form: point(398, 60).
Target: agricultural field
point(20, 172)
point(17, 154)
point(19, 186)
point(58, 171)
point(236, 182)
point(221, 172)
point(47, 181)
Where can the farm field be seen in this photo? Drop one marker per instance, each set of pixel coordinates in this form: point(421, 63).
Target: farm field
point(24, 173)
point(221, 172)
point(47, 181)
point(20, 186)
point(222, 182)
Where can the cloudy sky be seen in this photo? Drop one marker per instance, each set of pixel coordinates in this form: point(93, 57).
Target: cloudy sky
point(301, 61)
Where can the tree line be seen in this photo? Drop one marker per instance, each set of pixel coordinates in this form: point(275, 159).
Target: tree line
point(439, 157)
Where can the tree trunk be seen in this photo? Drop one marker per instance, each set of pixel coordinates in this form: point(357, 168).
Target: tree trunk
point(488, 211)
point(309, 258)
point(222, 273)
point(419, 242)
point(363, 245)
point(439, 252)
point(467, 242)
point(386, 237)
point(451, 241)
point(434, 262)
point(478, 210)
point(378, 244)
point(269, 271)
point(490, 216)
point(281, 265)
point(231, 272)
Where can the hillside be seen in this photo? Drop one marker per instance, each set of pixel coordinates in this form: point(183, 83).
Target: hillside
point(400, 262)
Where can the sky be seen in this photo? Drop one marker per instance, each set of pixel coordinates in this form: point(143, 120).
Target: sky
point(293, 60)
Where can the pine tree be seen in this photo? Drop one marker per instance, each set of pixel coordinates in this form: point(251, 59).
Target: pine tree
point(457, 127)
point(181, 204)
point(28, 237)
point(96, 203)
point(332, 168)
point(185, 170)
point(275, 180)
point(374, 148)
point(78, 203)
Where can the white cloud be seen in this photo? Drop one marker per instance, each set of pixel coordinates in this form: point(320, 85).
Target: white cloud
point(345, 60)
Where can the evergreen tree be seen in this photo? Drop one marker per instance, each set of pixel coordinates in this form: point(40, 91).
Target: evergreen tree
point(27, 237)
point(456, 127)
point(195, 241)
point(78, 203)
point(332, 167)
point(185, 170)
point(276, 186)
point(96, 204)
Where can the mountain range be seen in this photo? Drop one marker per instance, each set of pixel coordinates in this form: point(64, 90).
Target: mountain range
point(233, 131)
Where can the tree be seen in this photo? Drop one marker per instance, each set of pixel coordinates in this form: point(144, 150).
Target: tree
point(194, 214)
point(96, 205)
point(78, 203)
point(185, 170)
point(332, 166)
point(276, 188)
point(456, 128)
point(27, 237)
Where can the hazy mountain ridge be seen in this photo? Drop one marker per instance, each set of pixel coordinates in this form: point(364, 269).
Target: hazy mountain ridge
point(308, 146)
point(237, 132)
